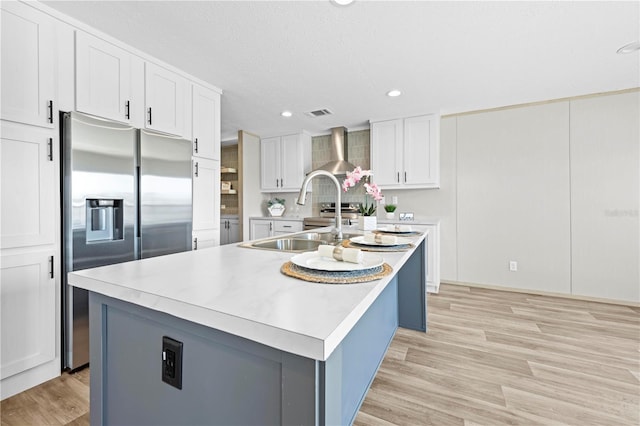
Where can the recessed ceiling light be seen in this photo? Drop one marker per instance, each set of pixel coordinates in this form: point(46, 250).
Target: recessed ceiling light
point(630, 48)
point(342, 2)
point(286, 113)
point(394, 93)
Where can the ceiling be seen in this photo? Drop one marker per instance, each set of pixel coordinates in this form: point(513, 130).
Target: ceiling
point(445, 57)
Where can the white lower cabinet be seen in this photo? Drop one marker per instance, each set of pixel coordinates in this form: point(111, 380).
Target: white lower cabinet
point(260, 228)
point(432, 254)
point(28, 301)
point(433, 259)
point(286, 226)
point(264, 228)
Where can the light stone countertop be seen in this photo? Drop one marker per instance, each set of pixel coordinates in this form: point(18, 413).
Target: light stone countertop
point(242, 291)
point(299, 219)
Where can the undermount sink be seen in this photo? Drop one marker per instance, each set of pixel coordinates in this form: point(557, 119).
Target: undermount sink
point(324, 236)
point(288, 244)
point(307, 241)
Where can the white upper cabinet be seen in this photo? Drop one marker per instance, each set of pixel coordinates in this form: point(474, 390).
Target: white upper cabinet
point(405, 152)
point(270, 159)
point(284, 161)
point(165, 94)
point(28, 46)
point(29, 183)
point(206, 123)
point(105, 78)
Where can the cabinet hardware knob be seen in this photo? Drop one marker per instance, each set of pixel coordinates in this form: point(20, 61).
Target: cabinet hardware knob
point(405, 177)
point(50, 149)
point(195, 142)
point(149, 115)
point(281, 184)
point(196, 172)
point(398, 177)
point(126, 110)
point(195, 243)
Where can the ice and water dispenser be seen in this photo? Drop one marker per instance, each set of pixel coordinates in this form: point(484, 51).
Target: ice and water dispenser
point(104, 220)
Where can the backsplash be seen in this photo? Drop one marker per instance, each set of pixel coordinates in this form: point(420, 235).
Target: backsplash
point(323, 189)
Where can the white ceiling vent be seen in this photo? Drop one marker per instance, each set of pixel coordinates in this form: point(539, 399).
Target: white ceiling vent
point(319, 113)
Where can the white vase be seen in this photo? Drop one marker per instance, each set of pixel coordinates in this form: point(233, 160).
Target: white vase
point(367, 223)
point(391, 215)
point(276, 210)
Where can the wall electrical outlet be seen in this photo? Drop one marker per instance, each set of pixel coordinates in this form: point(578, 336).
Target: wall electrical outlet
point(394, 200)
point(513, 266)
point(172, 362)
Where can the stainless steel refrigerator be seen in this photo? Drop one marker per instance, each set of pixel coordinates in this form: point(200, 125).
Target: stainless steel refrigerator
point(126, 196)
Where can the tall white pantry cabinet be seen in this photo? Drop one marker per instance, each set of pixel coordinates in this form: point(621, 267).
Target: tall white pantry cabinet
point(52, 63)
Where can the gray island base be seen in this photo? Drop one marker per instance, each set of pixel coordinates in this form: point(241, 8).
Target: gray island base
point(231, 380)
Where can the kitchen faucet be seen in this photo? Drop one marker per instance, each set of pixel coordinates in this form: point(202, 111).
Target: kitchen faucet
point(302, 197)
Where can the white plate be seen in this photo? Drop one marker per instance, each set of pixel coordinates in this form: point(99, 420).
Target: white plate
point(390, 231)
point(361, 240)
point(312, 260)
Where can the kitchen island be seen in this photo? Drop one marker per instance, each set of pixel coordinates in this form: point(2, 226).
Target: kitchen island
point(257, 347)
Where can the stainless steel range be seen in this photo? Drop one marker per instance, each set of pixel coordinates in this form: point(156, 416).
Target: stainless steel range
point(328, 213)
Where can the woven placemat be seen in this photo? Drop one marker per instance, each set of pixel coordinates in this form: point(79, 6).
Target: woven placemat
point(336, 277)
point(365, 247)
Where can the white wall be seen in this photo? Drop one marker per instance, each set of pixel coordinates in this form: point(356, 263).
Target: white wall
point(513, 197)
point(554, 186)
point(605, 188)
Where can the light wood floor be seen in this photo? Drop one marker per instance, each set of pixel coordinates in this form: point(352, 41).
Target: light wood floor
point(489, 358)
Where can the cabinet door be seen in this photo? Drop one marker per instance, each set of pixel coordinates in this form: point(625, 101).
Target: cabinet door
point(287, 226)
point(292, 164)
point(103, 79)
point(28, 45)
point(206, 194)
point(386, 153)
point(224, 233)
point(205, 239)
point(270, 164)
point(28, 182)
point(234, 230)
point(420, 152)
point(164, 100)
point(206, 123)
point(261, 228)
point(28, 312)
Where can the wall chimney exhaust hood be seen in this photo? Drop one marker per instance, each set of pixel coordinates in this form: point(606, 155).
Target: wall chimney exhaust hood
point(338, 164)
